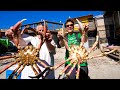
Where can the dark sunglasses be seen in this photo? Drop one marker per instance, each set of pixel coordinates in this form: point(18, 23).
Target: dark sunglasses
point(69, 25)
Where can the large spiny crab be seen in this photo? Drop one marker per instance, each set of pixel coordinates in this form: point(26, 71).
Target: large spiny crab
point(27, 56)
point(77, 55)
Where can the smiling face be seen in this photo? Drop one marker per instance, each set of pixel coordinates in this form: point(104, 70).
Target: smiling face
point(69, 27)
point(40, 29)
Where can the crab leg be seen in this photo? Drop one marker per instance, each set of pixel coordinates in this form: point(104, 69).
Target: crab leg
point(15, 30)
point(11, 76)
point(38, 69)
point(94, 45)
point(39, 61)
point(78, 70)
point(68, 74)
point(45, 28)
point(41, 74)
point(61, 63)
point(60, 74)
point(9, 65)
point(47, 73)
point(80, 24)
point(17, 25)
point(103, 54)
point(46, 68)
point(6, 57)
point(36, 73)
point(23, 66)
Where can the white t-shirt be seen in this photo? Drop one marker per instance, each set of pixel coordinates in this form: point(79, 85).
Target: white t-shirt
point(44, 55)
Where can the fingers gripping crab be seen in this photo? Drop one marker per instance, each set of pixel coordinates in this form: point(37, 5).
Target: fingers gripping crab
point(27, 56)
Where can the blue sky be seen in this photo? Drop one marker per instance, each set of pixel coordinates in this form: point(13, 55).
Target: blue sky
point(9, 18)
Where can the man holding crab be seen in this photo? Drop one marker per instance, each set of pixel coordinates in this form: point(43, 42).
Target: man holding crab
point(47, 48)
point(72, 38)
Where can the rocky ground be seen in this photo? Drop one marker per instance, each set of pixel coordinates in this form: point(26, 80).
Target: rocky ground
point(99, 68)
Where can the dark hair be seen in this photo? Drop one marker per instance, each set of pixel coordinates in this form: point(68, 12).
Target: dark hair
point(69, 20)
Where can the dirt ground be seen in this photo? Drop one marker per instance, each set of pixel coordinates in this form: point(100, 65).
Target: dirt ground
point(99, 68)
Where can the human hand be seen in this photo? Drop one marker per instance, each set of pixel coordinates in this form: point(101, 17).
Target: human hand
point(60, 35)
point(27, 26)
point(86, 27)
point(48, 36)
point(9, 33)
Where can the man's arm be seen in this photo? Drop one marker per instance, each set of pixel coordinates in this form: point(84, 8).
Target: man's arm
point(63, 42)
point(50, 42)
point(83, 31)
point(84, 34)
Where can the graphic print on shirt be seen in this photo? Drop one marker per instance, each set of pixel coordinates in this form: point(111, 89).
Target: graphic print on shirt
point(72, 40)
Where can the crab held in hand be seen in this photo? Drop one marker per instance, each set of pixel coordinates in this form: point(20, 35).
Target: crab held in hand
point(27, 56)
point(77, 55)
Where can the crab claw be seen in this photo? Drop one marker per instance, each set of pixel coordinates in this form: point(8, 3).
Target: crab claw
point(80, 23)
point(41, 74)
point(17, 25)
point(45, 28)
point(23, 20)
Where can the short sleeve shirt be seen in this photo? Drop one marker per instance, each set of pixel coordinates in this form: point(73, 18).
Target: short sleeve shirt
point(73, 40)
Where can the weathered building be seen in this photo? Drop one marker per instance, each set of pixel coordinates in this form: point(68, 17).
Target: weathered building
point(112, 25)
point(100, 25)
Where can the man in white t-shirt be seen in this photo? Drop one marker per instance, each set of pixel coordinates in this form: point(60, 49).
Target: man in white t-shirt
point(46, 54)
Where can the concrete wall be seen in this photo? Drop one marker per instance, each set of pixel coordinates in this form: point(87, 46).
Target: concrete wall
point(100, 24)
